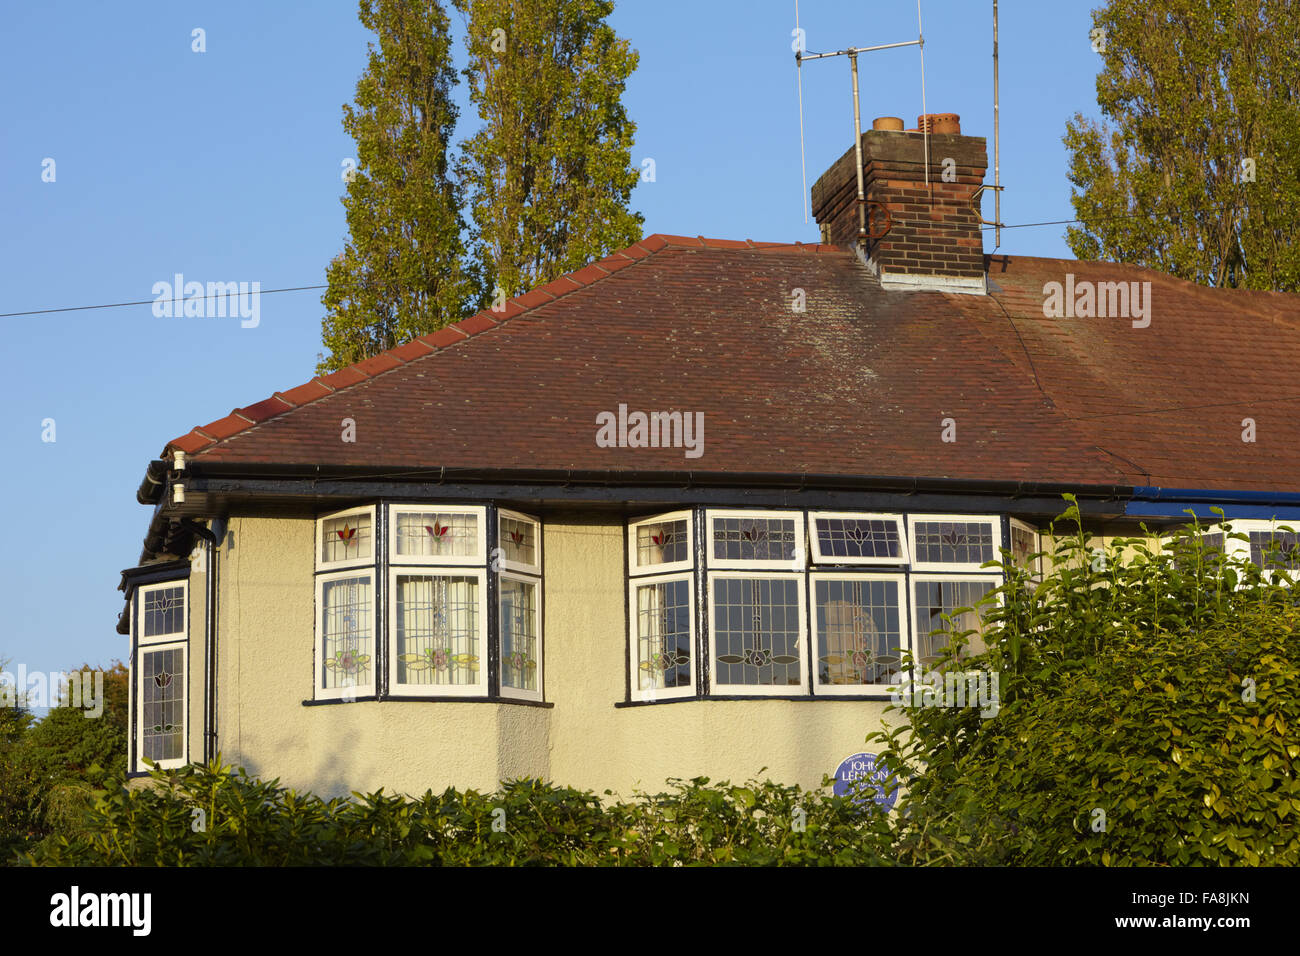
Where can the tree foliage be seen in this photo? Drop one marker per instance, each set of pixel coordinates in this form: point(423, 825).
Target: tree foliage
point(404, 270)
point(549, 172)
point(1148, 717)
point(1195, 173)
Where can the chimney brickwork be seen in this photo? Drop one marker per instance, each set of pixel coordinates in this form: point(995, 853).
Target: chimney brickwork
point(931, 232)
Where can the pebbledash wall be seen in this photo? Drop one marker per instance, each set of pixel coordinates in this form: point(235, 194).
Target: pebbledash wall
point(265, 672)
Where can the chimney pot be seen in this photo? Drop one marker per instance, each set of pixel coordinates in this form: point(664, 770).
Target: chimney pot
point(889, 123)
point(939, 123)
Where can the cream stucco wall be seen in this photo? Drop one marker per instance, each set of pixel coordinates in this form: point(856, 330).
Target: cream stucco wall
point(265, 672)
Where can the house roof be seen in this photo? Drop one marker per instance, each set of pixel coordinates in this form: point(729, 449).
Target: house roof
point(860, 383)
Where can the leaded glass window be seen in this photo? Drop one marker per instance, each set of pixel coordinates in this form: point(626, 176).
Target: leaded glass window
point(162, 705)
point(347, 633)
point(662, 542)
point(861, 634)
point(437, 633)
point(347, 538)
point(1025, 548)
point(437, 537)
point(663, 637)
point(756, 540)
point(757, 628)
point(953, 542)
point(1275, 550)
point(518, 541)
point(857, 539)
point(520, 649)
point(162, 611)
point(934, 598)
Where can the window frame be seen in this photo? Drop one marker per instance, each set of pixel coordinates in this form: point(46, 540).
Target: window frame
point(478, 689)
point(904, 624)
point(665, 567)
point(718, 689)
point(170, 637)
point(137, 717)
point(993, 579)
point(634, 638)
point(799, 559)
point(505, 563)
point(478, 559)
point(925, 567)
point(357, 691)
point(536, 581)
point(814, 544)
point(321, 565)
point(1015, 524)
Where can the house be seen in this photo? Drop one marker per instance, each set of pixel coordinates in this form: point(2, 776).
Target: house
point(684, 511)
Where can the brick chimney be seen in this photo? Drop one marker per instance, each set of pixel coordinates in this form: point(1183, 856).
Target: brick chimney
point(918, 238)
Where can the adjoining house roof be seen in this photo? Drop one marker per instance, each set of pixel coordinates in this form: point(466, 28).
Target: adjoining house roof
point(860, 383)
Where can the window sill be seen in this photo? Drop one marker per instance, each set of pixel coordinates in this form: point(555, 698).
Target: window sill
point(878, 698)
point(400, 698)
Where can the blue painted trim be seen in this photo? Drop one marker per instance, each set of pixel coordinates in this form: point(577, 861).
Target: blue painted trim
point(1152, 502)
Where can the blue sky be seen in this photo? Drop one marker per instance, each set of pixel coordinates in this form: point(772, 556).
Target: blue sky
point(225, 166)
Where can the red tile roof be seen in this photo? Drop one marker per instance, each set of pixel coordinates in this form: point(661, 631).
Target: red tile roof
point(858, 384)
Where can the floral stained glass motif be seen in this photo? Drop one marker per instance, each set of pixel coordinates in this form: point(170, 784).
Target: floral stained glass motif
point(437, 630)
point(663, 542)
point(163, 704)
point(348, 650)
point(934, 599)
point(857, 538)
point(432, 534)
point(754, 539)
point(164, 611)
point(1024, 545)
point(346, 538)
point(518, 540)
point(663, 635)
point(859, 632)
point(756, 631)
point(518, 634)
point(954, 542)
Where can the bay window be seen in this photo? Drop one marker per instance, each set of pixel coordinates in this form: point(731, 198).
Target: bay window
point(161, 674)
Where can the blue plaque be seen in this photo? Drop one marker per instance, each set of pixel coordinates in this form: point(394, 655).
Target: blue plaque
point(859, 777)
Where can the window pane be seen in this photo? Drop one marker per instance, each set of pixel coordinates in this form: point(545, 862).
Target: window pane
point(937, 598)
point(754, 539)
point(857, 538)
point(346, 538)
point(437, 630)
point(1275, 549)
point(663, 635)
point(347, 644)
point(519, 540)
point(954, 542)
point(756, 629)
point(164, 611)
point(661, 543)
point(1024, 544)
point(436, 534)
point(518, 634)
point(859, 635)
point(162, 724)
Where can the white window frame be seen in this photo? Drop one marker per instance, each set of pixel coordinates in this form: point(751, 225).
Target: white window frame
point(995, 580)
point(798, 563)
point(515, 692)
point(1241, 549)
point(478, 689)
point(173, 636)
point(508, 565)
point(904, 625)
point(666, 567)
point(995, 521)
point(477, 559)
point(634, 639)
point(138, 712)
point(321, 692)
point(371, 561)
point(1035, 573)
point(814, 543)
point(759, 690)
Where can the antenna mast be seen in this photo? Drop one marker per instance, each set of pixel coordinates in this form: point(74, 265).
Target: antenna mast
point(997, 140)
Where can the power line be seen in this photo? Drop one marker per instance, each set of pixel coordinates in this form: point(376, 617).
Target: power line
point(118, 305)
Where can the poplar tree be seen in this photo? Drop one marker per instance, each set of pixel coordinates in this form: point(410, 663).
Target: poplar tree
point(1196, 173)
point(404, 270)
point(549, 172)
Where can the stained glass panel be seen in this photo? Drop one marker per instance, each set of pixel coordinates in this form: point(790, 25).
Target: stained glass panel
point(859, 631)
point(1024, 545)
point(756, 631)
point(518, 540)
point(164, 611)
point(519, 634)
point(348, 643)
point(162, 718)
point(663, 542)
point(954, 542)
point(663, 615)
point(857, 538)
point(436, 534)
point(347, 538)
point(754, 539)
point(437, 629)
point(937, 598)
